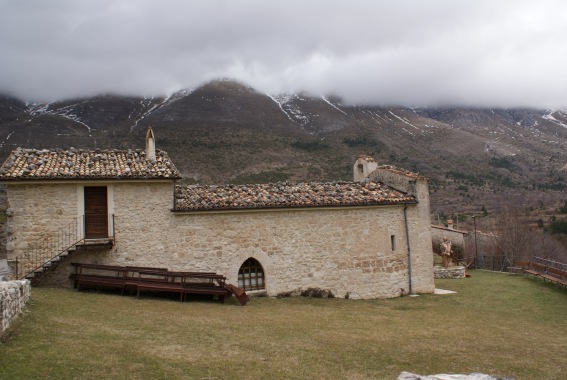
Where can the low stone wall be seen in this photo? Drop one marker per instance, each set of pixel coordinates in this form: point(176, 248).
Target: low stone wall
point(13, 298)
point(453, 272)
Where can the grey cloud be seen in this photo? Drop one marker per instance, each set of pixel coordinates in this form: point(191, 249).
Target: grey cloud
point(505, 53)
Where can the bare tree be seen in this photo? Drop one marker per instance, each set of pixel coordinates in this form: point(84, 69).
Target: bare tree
point(480, 244)
point(507, 237)
point(514, 238)
point(551, 248)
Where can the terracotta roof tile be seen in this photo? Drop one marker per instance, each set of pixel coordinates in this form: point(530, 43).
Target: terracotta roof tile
point(397, 170)
point(32, 164)
point(366, 158)
point(280, 195)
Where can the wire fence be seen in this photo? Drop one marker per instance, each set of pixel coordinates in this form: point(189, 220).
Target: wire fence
point(497, 263)
point(501, 263)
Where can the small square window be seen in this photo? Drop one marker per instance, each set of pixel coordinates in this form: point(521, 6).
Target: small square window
point(393, 242)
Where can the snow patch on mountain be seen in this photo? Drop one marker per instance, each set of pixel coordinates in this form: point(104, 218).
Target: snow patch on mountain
point(7, 138)
point(177, 95)
point(280, 105)
point(332, 105)
point(287, 103)
point(403, 120)
point(549, 116)
point(66, 112)
point(146, 103)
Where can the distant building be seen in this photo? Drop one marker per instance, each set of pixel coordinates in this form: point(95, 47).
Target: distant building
point(457, 237)
point(370, 238)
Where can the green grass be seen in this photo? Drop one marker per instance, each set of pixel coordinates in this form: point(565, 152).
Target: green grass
point(504, 325)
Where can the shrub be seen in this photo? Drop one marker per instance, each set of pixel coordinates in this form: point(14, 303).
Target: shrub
point(309, 292)
point(360, 141)
point(317, 293)
point(309, 146)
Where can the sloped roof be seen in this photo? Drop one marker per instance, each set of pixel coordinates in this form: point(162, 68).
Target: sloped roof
point(286, 195)
point(404, 172)
point(76, 164)
point(450, 229)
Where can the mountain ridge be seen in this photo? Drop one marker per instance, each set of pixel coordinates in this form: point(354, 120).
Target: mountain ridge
point(227, 132)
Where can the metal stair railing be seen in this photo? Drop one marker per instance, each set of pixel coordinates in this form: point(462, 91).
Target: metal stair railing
point(50, 248)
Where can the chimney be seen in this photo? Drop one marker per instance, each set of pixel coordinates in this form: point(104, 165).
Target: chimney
point(150, 145)
point(450, 224)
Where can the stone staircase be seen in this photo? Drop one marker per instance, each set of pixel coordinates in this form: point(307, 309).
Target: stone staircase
point(35, 263)
point(40, 272)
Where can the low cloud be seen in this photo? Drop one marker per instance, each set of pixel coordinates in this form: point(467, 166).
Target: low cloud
point(438, 52)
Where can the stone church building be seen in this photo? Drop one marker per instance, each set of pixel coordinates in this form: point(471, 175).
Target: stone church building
point(370, 238)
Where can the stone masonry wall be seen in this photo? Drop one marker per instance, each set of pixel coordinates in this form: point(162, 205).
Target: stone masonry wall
point(453, 272)
point(36, 211)
point(346, 250)
point(14, 296)
point(419, 225)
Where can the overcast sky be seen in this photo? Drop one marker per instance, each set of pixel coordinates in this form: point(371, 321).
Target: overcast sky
point(421, 52)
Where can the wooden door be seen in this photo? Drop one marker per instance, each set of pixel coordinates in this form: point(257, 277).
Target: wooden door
point(96, 212)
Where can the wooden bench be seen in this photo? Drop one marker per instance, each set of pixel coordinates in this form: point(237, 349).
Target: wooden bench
point(239, 293)
point(556, 276)
point(206, 283)
point(132, 271)
point(519, 267)
point(99, 275)
point(156, 281)
point(108, 276)
point(141, 279)
point(132, 274)
point(547, 273)
point(182, 283)
point(535, 269)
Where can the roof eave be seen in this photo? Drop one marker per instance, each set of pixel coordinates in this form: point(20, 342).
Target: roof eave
point(298, 207)
point(71, 179)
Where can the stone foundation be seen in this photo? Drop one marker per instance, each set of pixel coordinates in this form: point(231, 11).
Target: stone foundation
point(452, 272)
point(13, 298)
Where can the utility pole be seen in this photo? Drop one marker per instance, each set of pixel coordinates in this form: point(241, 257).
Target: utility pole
point(475, 244)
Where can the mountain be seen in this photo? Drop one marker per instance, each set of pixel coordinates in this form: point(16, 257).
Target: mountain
point(227, 132)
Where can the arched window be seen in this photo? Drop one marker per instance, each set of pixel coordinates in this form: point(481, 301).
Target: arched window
point(251, 275)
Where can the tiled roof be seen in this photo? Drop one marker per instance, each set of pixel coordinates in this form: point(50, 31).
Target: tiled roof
point(285, 195)
point(450, 229)
point(32, 164)
point(366, 158)
point(404, 172)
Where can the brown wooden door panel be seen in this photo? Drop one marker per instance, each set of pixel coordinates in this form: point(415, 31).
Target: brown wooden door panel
point(96, 212)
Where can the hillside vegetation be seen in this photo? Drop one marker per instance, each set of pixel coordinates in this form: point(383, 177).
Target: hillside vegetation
point(227, 132)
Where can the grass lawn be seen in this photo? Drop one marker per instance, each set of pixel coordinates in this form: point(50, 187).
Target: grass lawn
point(499, 324)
